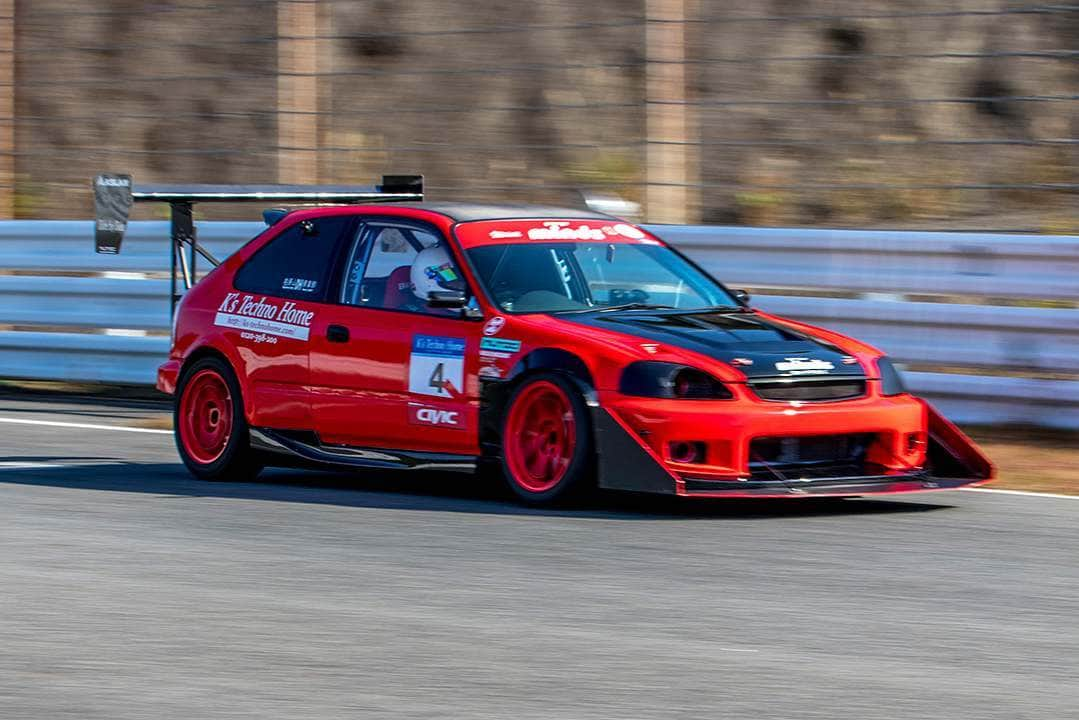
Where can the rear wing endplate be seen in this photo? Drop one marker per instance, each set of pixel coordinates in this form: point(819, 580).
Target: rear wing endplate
point(114, 195)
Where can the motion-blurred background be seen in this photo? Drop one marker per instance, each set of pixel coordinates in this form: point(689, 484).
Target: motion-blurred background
point(720, 117)
point(913, 114)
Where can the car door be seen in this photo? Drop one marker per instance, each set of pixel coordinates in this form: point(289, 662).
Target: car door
point(267, 312)
point(388, 371)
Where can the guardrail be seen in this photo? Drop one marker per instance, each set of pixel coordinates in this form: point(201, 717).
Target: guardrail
point(66, 248)
point(1014, 266)
point(111, 325)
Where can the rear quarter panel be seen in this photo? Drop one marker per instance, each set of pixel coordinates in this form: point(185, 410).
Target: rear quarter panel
point(272, 370)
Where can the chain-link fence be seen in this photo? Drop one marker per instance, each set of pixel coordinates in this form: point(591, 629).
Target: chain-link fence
point(920, 113)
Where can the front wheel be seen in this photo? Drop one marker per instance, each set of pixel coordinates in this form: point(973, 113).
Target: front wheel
point(547, 448)
point(208, 422)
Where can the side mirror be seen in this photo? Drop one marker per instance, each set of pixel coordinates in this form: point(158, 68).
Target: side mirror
point(741, 296)
point(447, 299)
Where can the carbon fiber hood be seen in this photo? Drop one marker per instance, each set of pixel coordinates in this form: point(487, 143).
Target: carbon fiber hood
point(772, 349)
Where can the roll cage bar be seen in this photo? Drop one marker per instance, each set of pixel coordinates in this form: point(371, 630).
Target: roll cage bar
point(114, 195)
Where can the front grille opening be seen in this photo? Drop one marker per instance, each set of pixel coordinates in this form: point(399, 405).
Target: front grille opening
point(808, 390)
point(812, 456)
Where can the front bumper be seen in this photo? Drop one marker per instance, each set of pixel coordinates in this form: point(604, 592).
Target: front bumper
point(634, 437)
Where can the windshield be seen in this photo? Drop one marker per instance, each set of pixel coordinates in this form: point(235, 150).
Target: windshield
point(563, 277)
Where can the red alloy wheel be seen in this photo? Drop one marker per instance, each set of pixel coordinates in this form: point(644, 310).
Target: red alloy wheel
point(206, 416)
point(541, 435)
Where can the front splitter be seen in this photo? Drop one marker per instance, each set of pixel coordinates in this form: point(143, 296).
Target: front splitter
point(822, 487)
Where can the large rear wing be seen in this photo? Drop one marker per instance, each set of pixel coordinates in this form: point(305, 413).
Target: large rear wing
point(114, 195)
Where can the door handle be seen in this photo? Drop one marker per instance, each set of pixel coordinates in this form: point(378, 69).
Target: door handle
point(337, 333)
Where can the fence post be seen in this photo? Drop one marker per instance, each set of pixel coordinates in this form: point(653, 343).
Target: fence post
point(297, 92)
point(667, 125)
point(7, 109)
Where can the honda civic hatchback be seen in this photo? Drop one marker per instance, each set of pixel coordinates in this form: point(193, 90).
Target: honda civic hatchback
point(568, 349)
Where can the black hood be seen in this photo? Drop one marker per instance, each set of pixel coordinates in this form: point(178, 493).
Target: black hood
point(775, 350)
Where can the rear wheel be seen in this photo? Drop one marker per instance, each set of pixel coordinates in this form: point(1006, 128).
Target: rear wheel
point(547, 449)
point(208, 422)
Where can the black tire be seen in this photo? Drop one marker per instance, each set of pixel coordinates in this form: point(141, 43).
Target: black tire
point(577, 459)
point(235, 460)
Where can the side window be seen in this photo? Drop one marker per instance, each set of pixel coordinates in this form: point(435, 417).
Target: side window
point(297, 263)
point(379, 270)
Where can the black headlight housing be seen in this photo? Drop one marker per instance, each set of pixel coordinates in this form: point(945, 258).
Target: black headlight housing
point(671, 380)
point(891, 383)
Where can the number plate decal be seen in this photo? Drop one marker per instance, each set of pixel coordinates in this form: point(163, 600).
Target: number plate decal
point(437, 366)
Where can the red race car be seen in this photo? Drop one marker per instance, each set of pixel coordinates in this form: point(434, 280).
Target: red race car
point(570, 348)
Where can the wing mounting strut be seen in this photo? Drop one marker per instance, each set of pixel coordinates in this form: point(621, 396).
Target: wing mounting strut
point(114, 195)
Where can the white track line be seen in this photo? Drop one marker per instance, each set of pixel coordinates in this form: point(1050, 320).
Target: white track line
point(1026, 493)
point(11, 465)
point(83, 426)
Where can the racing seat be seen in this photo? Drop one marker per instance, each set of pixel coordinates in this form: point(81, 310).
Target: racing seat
point(398, 292)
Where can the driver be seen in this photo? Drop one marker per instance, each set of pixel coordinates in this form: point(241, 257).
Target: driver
point(433, 270)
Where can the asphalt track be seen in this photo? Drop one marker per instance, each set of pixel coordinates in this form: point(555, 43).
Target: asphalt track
point(129, 590)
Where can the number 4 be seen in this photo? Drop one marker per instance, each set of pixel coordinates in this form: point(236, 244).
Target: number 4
point(436, 378)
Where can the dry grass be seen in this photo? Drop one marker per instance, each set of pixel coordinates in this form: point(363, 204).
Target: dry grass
point(158, 422)
point(1029, 458)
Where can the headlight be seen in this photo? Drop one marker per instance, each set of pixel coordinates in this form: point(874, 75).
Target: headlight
point(670, 380)
point(890, 381)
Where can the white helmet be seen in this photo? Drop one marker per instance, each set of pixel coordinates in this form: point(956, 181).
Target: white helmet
point(432, 270)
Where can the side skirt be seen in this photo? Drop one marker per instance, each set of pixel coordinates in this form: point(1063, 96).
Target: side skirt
point(306, 447)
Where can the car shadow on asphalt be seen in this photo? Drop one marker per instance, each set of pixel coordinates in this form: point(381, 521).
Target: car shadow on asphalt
point(426, 491)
